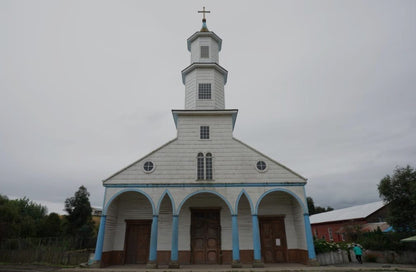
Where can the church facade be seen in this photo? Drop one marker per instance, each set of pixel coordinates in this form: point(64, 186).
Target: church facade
point(205, 197)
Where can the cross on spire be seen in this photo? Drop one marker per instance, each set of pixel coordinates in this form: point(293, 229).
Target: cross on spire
point(203, 11)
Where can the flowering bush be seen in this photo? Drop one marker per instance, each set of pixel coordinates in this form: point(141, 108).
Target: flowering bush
point(322, 246)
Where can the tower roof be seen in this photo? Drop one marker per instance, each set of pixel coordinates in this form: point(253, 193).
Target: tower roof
point(198, 34)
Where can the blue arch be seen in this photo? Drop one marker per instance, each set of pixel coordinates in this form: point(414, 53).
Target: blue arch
point(205, 191)
point(166, 192)
point(129, 190)
point(237, 202)
point(305, 209)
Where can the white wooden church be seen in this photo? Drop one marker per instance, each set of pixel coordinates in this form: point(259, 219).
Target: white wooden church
point(204, 197)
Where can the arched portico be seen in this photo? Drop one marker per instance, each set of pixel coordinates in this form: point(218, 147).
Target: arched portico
point(128, 219)
point(282, 228)
point(205, 236)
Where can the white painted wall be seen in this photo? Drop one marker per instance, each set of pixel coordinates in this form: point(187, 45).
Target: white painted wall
point(245, 226)
point(204, 75)
point(165, 225)
point(204, 41)
point(234, 162)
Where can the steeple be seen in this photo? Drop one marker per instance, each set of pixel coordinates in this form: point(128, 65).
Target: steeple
point(204, 78)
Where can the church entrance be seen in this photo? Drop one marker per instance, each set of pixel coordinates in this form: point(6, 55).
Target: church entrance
point(137, 241)
point(273, 239)
point(205, 236)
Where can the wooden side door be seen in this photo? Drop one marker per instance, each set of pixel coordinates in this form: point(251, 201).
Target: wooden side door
point(137, 241)
point(273, 239)
point(205, 236)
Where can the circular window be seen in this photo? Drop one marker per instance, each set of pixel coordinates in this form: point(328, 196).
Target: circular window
point(148, 166)
point(261, 166)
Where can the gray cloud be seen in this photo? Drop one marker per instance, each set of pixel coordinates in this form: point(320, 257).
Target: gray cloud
point(87, 87)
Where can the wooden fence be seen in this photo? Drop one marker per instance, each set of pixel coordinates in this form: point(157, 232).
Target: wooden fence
point(344, 257)
point(58, 251)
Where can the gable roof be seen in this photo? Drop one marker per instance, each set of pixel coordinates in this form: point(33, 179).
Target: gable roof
point(355, 212)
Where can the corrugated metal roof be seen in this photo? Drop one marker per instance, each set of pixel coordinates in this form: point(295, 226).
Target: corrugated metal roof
point(355, 212)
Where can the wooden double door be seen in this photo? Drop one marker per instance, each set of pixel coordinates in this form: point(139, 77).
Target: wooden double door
point(137, 241)
point(205, 236)
point(273, 239)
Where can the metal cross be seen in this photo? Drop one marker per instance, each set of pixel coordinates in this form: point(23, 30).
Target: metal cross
point(203, 11)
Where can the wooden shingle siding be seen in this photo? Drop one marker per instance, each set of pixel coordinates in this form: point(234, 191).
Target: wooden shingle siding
point(165, 225)
point(191, 93)
point(219, 90)
point(204, 41)
point(245, 229)
point(233, 161)
point(204, 75)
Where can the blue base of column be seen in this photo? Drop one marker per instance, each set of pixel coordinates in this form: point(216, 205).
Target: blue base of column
point(100, 240)
point(174, 252)
point(309, 237)
point(153, 244)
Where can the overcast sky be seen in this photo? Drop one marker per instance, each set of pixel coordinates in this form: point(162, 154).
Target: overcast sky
point(326, 88)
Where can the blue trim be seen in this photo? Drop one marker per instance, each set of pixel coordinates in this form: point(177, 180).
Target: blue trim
point(105, 195)
point(256, 238)
point(153, 240)
point(234, 118)
point(309, 238)
point(100, 239)
point(166, 192)
point(236, 242)
point(204, 191)
point(305, 209)
point(237, 202)
point(306, 199)
point(203, 185)
point(125, 191)
point(174, 250)
point(175, 119)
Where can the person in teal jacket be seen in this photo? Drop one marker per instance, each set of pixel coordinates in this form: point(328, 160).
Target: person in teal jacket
point(358, 253)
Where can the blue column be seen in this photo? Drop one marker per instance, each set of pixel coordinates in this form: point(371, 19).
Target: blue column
point(174, 250)
point(309, 238)
point(100, 239)
point(236, 242)
point(256, 238)
point(153, 240)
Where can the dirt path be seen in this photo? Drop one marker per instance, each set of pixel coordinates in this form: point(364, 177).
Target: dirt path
point(27, 268)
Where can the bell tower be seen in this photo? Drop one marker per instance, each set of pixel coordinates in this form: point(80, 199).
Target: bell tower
point(204, 78)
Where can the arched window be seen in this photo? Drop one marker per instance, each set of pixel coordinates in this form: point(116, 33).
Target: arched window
point(208, 165)
point(204, 166)
point(200, 166)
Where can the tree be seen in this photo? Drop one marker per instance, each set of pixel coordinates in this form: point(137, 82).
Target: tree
point(316, 209)
point(399, 191)
point(52, 226)
point(20, 218)
point(79, 219)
